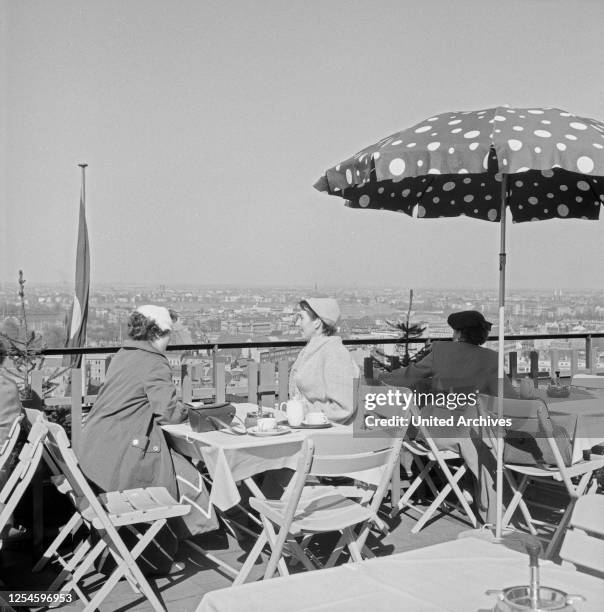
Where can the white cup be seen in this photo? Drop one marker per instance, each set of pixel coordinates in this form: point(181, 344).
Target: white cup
point(294, 409)
point(267, 424)
point(315, 418)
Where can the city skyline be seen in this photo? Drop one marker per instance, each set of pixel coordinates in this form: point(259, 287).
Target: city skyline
point(205, 127)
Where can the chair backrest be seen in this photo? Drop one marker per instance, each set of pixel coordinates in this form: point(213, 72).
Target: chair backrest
point(584, 544)
point(369, 460)
point(591, 381)
point(527, 441)
point(32, 415)
point(22, 473)
point(9, 444)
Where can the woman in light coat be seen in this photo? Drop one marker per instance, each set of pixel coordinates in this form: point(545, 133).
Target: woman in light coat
point(324, 373)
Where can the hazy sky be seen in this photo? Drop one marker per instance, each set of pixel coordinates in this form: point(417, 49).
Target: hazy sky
point(205, 125)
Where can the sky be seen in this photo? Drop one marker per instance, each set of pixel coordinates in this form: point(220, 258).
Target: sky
point(205, 125)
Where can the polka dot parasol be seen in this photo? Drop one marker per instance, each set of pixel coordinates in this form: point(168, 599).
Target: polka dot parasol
point(541, 163)
point(453, 164)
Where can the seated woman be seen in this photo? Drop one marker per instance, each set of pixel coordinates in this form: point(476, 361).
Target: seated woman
point(459, 366)
point(323, 374)
point(122, 444)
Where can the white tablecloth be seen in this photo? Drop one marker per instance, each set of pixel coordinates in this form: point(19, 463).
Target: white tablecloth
point(448, 577)
point(230, 458)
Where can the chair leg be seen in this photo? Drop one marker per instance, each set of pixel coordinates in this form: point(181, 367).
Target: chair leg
point(552, 547)
point(74, 522)
point(250, 560)
point(518, 494)
point(423, 476)
point(351, 542)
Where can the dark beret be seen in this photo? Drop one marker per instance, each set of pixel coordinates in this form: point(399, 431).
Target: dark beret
point(468, 318)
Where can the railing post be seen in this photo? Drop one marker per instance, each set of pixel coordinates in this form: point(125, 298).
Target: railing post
point(534, 359)
point(214, 363)
point(588, 350)
point(186, 383)
point(220, 383)
point(76, 408)
point(283, 380)
point(252, 382)
point(574, 360)
point(513, 363)
point(554, 361)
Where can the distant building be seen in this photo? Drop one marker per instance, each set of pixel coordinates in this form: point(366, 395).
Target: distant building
point(97, 367)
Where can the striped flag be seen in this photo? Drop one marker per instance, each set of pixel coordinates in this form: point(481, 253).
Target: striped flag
point(76, 324)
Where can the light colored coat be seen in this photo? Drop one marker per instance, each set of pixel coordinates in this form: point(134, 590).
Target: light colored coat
point(10, 405)
point(324, 375)
point(122, 445)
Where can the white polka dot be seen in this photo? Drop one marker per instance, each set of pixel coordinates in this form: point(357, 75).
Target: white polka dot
point(392, 194)
point(455, 122)
point(579, 199)
point(597, 145)
point(436, 200)
point(533, 200)
point(570, 137)
point(542, 133)
point(546, 122)
point(535, 219)
point(583, 185)
point(364, 201)
point(523, 169)
point(497, 131)
point(433, 119)
point(395, 142)
point(585, 164)
point(397, 166)
point(520, 207)
point(467, 181)
point(561, 146)
point(433, 146)
point(380, 190)
point(376, 155)
point(498, 118)
point(434, 171)
point(472, 134)
point(577, 125)
point(565, 115)
point(519, 183)
point(518, 128)
point(488, 197)
point(429, 189)
point(550, 195)
point(456, 131)
point(535, 112)
point(514, 144)
point(349, 176)
point(563, 187)
point(421, 211)
point(338, 168)
point(485, 161)
point(476, 211)
point(474, 146)
point(451, 150)
point(420, 163)
point(423, 128)
point(448, 186)
point(462, 171)
point(498, 177)
point(405, 192)
point(537, 149)
point(547, 173)
point(505, 161)
point(545, 210)
point(563, 210)
point(468, 198)
point(433, 133)
point(492, 214)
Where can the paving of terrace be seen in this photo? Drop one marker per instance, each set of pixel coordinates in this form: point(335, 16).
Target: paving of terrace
point(183, 592)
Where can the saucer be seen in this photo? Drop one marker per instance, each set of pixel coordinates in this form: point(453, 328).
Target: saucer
point(304, 425)
point(278, 431)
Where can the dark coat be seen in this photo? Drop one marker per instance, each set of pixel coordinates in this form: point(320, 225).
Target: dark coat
point(453, 366)
point(10, 405)
point(122, 444)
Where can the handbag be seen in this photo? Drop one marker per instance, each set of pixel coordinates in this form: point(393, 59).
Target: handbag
point(211, 417)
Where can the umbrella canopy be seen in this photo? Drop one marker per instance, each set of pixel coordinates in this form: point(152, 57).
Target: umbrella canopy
point(542, 163)
point(453, 164)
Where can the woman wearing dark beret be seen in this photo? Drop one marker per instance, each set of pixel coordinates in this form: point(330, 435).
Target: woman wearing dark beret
point(460, 366)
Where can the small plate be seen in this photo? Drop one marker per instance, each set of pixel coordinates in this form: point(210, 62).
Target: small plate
point(304, 425)
point(278, 431)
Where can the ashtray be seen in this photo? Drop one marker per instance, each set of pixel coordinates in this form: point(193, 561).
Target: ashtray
point(558, 390)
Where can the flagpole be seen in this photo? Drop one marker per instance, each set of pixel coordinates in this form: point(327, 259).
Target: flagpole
point(83, 362)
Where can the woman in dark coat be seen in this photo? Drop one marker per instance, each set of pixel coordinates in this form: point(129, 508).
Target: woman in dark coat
point(122, 444)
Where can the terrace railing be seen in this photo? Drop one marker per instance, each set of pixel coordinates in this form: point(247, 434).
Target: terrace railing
point(268, 381)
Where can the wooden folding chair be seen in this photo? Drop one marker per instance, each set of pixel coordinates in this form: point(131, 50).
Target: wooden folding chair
point(430, 460)
point(310, 510)
point(22, 473)
point(104, 514)
point(583, 544)
point(533, 416)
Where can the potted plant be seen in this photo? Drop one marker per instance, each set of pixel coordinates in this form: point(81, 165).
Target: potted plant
point(409, 331)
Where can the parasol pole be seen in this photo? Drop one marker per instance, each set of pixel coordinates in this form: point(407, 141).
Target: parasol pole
point(83, 362)
point(500, 361)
